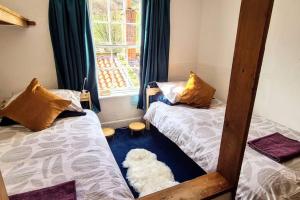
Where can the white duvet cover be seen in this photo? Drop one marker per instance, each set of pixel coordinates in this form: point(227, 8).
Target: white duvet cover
point(72, 149)
point(198, 133)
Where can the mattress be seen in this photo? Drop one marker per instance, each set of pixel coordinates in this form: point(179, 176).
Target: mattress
point(198, 133)
point(72, 149)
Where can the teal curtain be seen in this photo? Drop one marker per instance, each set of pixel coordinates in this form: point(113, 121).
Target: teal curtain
point(73, 46)
point(155, 45)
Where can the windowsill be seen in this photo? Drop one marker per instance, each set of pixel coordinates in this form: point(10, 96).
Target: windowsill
point(118, 95)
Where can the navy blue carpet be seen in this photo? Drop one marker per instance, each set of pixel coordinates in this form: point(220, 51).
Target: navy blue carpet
point(168, 152)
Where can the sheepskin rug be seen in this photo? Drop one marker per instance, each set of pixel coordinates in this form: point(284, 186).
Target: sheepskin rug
point(146, 174)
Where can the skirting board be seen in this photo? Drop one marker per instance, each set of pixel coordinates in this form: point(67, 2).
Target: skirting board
point(120, 123)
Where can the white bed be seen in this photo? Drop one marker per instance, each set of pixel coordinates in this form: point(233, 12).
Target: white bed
point(72, 149)
point(198, 133)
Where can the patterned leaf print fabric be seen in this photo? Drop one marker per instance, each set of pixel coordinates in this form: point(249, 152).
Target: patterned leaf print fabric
point(198, 133)
point(72, 149)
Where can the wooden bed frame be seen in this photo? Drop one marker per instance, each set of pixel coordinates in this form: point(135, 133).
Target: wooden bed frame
point(3, 193)
point(254, 21)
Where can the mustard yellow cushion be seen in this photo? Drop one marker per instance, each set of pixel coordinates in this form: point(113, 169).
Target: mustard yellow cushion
point(36, 108)
point(197, 93)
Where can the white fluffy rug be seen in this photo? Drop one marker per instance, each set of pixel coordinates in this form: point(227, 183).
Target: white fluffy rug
point(146, 174)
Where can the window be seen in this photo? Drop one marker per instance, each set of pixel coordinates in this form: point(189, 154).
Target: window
point(116, 29)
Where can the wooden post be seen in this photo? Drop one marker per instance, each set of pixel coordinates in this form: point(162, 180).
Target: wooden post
point(208, 186)
point(252, 32)
point(3, 193)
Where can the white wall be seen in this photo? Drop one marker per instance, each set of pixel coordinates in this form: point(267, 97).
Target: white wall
point(119, 111)
point(218, 26)
point(184, 38)
point(27, 53)
point(279, 87)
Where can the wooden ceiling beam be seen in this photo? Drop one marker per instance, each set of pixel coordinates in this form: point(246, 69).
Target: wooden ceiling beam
point(251, 38)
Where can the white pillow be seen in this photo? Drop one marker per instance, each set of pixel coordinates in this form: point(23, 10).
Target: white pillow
point(71, 95)
point(172, 90)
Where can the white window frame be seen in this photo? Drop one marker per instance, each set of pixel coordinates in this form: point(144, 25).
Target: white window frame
point(110, 45)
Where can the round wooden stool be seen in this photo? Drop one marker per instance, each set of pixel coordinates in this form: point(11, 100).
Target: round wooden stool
point(136, 127)
point(108, 132)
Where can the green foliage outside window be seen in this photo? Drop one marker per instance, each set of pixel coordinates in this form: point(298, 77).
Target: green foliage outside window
point(114, 27)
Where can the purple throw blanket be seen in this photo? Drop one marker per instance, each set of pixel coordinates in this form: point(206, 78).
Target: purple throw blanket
point(276, 147)
point(64, 191)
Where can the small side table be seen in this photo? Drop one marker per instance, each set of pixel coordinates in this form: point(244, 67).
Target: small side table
point(85, 98)
point(137, 127)
point(108, 132)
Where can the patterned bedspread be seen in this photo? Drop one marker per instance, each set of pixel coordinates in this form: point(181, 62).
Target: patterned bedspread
point(198, 133)
point(72, 149)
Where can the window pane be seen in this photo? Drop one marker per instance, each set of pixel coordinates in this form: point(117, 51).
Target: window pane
point(131, 16)
point(118, 70)
point(111, 74)
point(101, 33)
point(138, 34)
point(133, 4)
point(116, 34)
point(100, 10)
point(131, 34)
point(117, 10)
point(133, 74)
point(119, 53)
point(133, 66)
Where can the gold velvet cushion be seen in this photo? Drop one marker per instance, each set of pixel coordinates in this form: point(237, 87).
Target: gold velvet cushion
point(36, 108)
point(197, 93)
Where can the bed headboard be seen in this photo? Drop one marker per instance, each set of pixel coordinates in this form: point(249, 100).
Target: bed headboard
point(150, 92)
